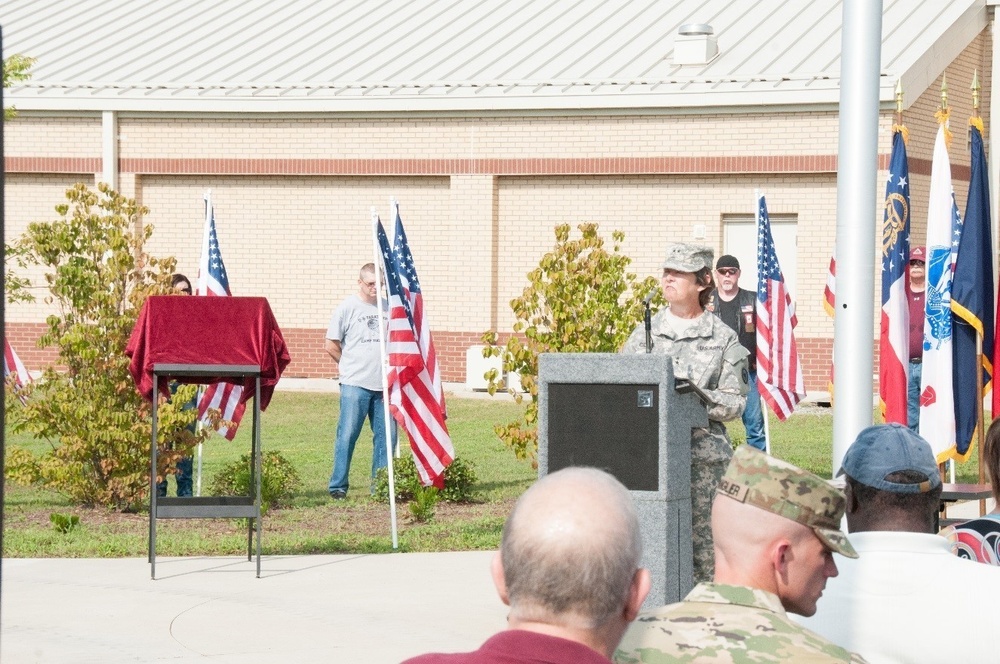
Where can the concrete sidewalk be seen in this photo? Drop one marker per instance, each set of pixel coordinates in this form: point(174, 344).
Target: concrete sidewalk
point(342, 608)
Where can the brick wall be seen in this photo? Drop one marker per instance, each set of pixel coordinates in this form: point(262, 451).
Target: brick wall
point(480, 198)
point(309, 360)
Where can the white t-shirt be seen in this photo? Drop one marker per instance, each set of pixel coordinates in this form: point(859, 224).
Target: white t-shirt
point(355, 325)
point(680, 325)
point(907, 598)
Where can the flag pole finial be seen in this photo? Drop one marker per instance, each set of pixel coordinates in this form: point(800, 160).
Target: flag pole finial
point(899, 101)
point(976, 87)
point(944, 92)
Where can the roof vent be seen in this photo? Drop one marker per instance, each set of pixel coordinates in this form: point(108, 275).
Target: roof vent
point(695, 44)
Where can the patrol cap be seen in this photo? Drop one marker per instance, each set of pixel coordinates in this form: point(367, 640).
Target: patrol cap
point(726, 260)
point(777, 486)
point(687, 257)
point(884, 449)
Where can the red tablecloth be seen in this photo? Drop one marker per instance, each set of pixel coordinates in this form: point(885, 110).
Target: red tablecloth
point(174, 329)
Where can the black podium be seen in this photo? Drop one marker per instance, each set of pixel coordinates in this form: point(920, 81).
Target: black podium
point(215, 507)
point(207, 340)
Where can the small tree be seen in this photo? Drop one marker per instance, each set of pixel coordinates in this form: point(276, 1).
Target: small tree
point(98, 276)
point(579, 299)
point(15, 68)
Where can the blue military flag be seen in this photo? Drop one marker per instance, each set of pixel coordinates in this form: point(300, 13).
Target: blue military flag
point(972, 302)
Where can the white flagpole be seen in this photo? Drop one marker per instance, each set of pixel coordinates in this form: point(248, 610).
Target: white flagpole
point(202, 278)
point(385, 382)
point(767, 423)
point(197, 429)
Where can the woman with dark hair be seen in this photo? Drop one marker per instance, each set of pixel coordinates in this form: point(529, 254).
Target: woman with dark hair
point(185, 465)
point(706, 352)
point(979, 539)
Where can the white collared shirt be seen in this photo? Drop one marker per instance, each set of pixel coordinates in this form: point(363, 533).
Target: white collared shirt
point(907, 598)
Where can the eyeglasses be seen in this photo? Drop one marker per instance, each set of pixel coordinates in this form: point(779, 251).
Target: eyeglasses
point(916, 262)
point(727, 271)
point(369, 284)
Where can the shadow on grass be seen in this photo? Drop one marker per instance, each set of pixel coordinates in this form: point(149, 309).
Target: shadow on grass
point(331, 545)
point(479, 535)
point(486, 487)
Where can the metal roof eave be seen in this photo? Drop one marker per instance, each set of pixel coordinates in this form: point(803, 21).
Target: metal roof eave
point(762, 97)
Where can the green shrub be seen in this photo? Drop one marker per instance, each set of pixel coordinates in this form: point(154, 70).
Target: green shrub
point(278, 479)
point(22, 467)
point(422, 505)
point(64, 523)
point(97, 275)
point(580, 299)
point(459, 478)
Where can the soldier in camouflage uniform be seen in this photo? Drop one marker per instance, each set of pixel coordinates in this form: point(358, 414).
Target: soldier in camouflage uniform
point(708, 353)
point(775, 528)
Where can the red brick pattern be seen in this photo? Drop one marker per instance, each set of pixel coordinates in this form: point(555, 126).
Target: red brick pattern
point(540, 166)
point(309, 360)
point(814, 356)
point(23, 337)
point(52, 164)
point(818, 163)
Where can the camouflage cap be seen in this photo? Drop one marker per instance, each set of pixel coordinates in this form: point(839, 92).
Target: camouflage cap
point(687, 257)
point(777, 486)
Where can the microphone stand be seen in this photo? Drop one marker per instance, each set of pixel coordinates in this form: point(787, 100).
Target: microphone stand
point(649, 328)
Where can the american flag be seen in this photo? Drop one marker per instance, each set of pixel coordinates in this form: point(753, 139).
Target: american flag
point(415, 398)
point(411, 289)
point(12, 366)
point(778, 370)
point(213, 281)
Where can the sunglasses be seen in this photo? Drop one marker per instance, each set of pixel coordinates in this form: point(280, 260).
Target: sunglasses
point(728, 271)
point(916, 262)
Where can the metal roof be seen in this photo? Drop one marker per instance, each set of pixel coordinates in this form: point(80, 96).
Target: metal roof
point(456, 55)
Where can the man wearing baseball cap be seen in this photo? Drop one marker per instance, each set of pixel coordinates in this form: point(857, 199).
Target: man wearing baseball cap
point(775, 528)
point(916, 285)
point(906, 598)
point(737, 307)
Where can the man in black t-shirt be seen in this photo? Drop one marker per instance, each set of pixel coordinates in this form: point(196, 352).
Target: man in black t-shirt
point(737, 308)
point(916, 285)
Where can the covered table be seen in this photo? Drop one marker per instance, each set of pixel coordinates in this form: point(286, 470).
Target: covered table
point(207, 340)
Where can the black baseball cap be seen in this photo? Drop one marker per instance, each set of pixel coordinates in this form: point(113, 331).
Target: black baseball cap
point(727, 261)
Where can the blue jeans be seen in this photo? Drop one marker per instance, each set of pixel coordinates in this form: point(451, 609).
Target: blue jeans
point(753, 416)
point(184, 465)
point(183, 478)
point(913, 395)
point(356, 405)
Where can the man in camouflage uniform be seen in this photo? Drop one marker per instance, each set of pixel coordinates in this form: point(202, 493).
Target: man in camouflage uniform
point(776, 528)
point(706, 352)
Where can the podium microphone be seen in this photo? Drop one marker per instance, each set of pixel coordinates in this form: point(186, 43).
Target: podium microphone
point(648, 321)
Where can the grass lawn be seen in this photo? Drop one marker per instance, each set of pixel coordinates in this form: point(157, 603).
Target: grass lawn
point(300, 425)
